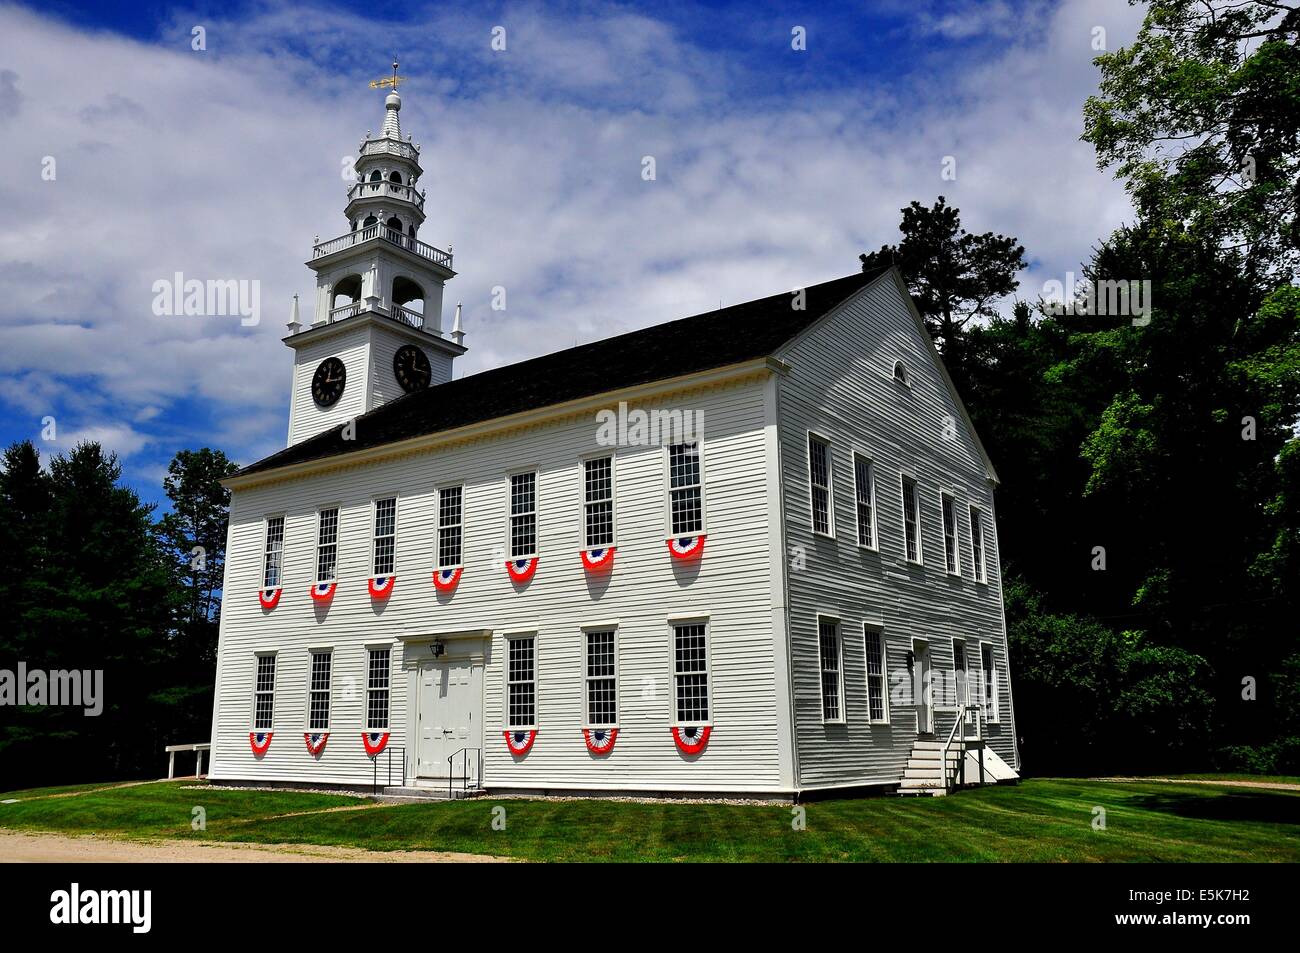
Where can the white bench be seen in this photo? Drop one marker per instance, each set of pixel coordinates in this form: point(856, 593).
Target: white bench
point(198, 751)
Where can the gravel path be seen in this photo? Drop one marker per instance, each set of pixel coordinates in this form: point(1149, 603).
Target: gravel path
point(1270, 785)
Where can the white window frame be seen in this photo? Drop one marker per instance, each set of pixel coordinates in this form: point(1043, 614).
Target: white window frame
point(275, 673)
point(312, 690)
point(961, 685)
point(979, 562)
point(374, 537)
point(511, 515)
point(588, 678)
point(868, 631)
point(668, 491)
point(266, 548)
point(507, 681)
point(815, 437)
point(903, 480)
point(989, 698)
point(459, 526)
point(584, 541)
point(822, 672)
point(387, 688)
point(874, 545)
point(673, 624)
point(949, 498)
point(905, 378)
point(338, 536)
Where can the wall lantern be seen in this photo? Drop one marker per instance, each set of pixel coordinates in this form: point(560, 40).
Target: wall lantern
point(438, 648)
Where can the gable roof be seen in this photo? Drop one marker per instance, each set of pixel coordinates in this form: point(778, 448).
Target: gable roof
point(702, 342)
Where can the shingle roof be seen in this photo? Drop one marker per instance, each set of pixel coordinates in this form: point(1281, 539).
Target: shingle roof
point(718, 338)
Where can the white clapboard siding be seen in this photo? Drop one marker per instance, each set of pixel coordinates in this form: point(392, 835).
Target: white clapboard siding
point(731, 587)
point(841, 385)
point(352, 347)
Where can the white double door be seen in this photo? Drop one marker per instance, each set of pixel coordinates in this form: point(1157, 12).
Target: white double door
point(450, 702)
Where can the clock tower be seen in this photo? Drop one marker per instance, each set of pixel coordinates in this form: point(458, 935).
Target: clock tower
point(377, 331)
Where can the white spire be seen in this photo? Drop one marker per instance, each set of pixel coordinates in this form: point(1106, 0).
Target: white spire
point(457, 333)
point(392, 125)
point(294, 325)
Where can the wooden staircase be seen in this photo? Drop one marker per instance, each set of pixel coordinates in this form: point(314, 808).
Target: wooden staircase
point(937, 768)
point(924, 773)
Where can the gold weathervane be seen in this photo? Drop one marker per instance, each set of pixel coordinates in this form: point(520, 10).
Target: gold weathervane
point(394, 81)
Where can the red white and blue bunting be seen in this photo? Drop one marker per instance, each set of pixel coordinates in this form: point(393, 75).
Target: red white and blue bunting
point(259, 741)
point(692, 739)
point(269, 598)
point(686, 547)
point(324, 591)
point(521, 570)
point(520, 741)
point(598, 558)
point(600, 740)
point(381, 587)
point(444, 580)
point(315, 740)
point(375, 741)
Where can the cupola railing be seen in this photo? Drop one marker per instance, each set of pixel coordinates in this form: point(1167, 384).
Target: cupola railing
point(384, 233)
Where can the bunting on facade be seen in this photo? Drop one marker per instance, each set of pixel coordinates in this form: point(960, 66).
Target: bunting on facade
point(259, 741)
point(315, 740)
point(686, 547)
point(600, 740)
point(324, 591)
point(692, 739)
point(520, 741)
point(381, 586)
point(598, 558)
point(444, 580)
point(521, 570)
point(375, 741)
point(269, 598)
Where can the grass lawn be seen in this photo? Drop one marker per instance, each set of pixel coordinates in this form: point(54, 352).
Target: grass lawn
point(1038, 820)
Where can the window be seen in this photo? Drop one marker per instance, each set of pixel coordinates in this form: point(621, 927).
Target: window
point(318, 692)
point(274, 553)
point(900, 373)
point(977, 543)
point(911, 521)
point(959, 672)
point(828, 632)
point(601, 678)
point(865, 492)
point(449, 526)
point(523, 515)
point(950, 533)
point(327, 545)
point(264, 694)
point(684, 488)
point(378, 680)
point(521, 682)
point(598, 501)
point(876, 675)
point(819, 476)
point(989, 678)
point(691, 673)
point(385, 536)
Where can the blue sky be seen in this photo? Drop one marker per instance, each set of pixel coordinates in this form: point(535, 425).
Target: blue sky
point(775, 169)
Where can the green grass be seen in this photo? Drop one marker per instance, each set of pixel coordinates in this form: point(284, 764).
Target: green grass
point(1266, 778)
point(1038, 820)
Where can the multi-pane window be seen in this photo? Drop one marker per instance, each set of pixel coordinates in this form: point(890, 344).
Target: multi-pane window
point(274, 553)
point(819, 476)
point(602, 690)
point(385, 536)
point(598, 501)
point(449, 526)
point(911, 521)
point(828, 633)
point(865, 492)
point(378, 683)
point(318, 692)
point(691, 673)
point(684, 489)
point(950, 533)
point(521, 682)
point(977, 543)
point(327, 545)
point(959, 671)
point(990, 682)
point(523, 515)
point(264, 694)
point(875, 674)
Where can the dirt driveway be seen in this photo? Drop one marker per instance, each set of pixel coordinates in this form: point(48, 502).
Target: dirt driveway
point(38, 848)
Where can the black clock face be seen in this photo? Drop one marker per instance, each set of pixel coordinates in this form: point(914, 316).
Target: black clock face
point(327, 384)
point(411, 366)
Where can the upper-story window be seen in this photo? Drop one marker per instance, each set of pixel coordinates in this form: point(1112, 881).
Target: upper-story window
point(598, 502)
point(900, 373)
point(989, 683)
point(450, 499)
point(951, 556)
point(685, 490)
point(864, 489)
point(327, 545)
point(819, 477)
point(523, 515)
point(273, 556)
point(385, 536)
point(395, 177)
point(977, 543)
point(911, 521)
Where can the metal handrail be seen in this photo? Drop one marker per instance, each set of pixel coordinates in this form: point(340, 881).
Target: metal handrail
point(464, 769)
point(374, 766)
